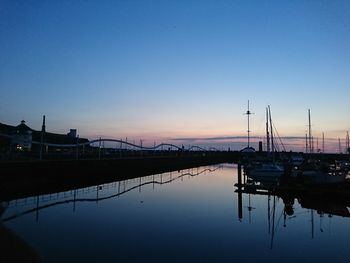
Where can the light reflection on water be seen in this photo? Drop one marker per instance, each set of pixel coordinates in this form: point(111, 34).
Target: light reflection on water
point(189, 215)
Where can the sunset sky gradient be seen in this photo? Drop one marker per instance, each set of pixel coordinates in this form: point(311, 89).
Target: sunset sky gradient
point(164, 70)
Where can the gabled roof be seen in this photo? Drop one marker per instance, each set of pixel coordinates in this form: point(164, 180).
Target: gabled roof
point(22, 128)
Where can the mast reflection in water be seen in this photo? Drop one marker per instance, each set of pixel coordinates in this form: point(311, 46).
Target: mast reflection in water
point(195, 215)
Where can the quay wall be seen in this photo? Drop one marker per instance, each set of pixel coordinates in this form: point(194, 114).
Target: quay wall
point(23, 179)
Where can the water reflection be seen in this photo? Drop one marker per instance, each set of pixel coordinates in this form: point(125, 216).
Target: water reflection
point(315, 201)
point(189, 215)
point(123, 187)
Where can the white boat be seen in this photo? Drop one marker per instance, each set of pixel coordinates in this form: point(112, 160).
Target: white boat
point(266, 170)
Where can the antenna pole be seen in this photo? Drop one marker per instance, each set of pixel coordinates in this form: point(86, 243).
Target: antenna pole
point(248, 113)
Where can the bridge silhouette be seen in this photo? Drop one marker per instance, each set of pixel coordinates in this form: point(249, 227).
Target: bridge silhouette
point(121, 146)
point(126, 143)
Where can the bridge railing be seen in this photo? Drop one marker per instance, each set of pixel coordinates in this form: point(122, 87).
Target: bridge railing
point(120, 146)
point(122, 143)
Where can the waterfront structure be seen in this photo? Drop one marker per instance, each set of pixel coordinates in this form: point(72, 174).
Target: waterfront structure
point(22, 137)
point(72, 133)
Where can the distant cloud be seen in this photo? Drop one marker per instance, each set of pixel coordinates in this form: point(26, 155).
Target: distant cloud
point(220, 138)
point(224, 138)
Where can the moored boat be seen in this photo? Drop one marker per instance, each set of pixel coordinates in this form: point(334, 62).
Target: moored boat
point(269, 169)
point(316, 172)
point(323, 177)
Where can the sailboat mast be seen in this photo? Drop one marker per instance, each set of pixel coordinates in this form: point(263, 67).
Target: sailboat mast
point(323, 142)
point(267, 132)
point(306, 145)
point(271, 131)
point(248, 113)
point(310, 143)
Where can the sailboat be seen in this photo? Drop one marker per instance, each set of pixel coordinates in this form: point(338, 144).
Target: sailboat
point(268, 168)
point(314, 171)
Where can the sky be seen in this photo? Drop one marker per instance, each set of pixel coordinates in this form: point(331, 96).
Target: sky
point(179, 71)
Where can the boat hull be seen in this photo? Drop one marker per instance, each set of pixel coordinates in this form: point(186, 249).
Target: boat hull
point(266, 170)
point(319, 177)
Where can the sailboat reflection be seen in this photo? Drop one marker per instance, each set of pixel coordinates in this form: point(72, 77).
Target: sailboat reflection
point(310, 199)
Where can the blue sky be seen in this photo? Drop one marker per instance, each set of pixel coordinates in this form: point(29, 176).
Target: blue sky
point(170, 69)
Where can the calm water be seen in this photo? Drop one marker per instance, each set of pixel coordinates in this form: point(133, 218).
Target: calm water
point(190, 215)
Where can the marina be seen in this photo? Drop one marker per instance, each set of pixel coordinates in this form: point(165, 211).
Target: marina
point(174, 131)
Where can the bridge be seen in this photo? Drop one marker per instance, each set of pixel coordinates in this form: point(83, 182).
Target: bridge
point(96, 148)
